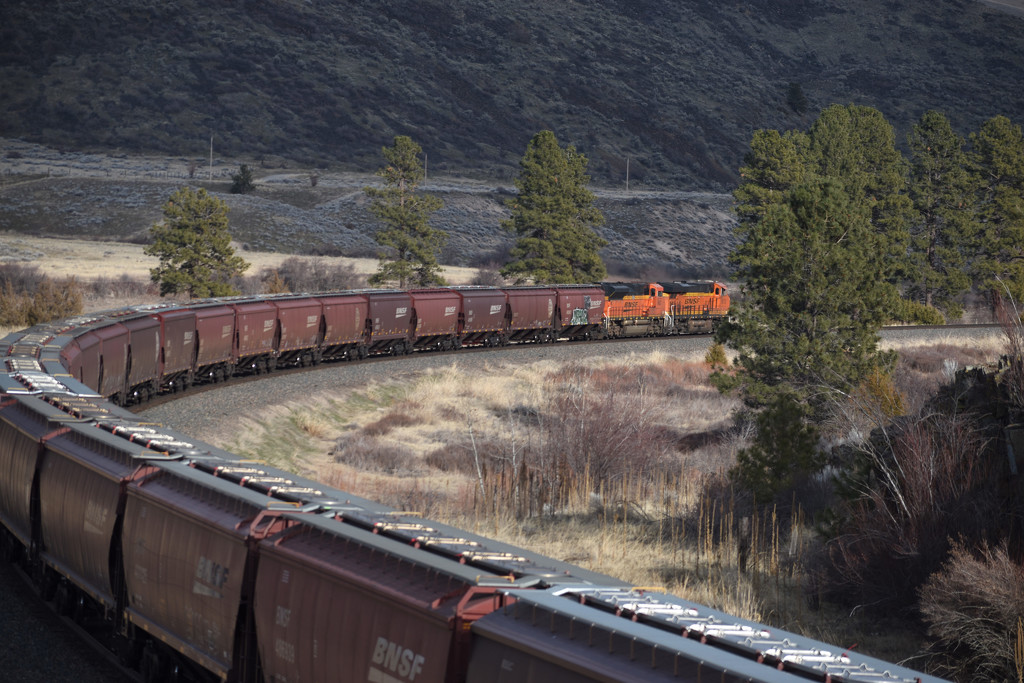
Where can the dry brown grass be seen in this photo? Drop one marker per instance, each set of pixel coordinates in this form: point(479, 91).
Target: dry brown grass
point(92, 259)
point(416, 447)
point(443, 445)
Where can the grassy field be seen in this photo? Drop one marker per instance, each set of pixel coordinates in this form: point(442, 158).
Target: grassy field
point(501, 453)
point(87, 259)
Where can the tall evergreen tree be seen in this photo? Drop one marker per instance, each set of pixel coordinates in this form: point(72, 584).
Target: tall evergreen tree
point(998, 157)
point(411, 246)
point(194, 247)
point(553, 215)
point(856, 146)
point(942, 190)
point(814, 299)
point(773, 165)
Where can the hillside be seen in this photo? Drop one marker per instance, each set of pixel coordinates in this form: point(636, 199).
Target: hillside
point(674, 87)
point(50, 193)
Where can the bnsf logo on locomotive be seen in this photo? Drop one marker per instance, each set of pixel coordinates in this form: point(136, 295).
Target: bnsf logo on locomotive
point(395, 658)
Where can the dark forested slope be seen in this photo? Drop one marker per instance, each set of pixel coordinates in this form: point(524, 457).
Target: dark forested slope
point(677, 87)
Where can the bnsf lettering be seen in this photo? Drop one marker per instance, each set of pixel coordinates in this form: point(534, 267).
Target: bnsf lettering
point(95, 517)
point(284, 650)
point(211, 573)
point(283, 616)
point(268, 325)
point(397, 659)
point(311, 320)
point(496, 309)
point(449, 310)
point(399, 312)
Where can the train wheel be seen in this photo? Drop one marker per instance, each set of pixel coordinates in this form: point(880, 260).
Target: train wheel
point(150, 666)
point(48, 584)
point(79, 607)
point(64, 599)
point(129, 649)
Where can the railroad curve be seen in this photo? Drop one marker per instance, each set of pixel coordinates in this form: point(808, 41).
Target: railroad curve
point(333, 377)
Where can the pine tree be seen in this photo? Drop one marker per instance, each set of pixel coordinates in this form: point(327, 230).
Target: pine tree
point(814, 299)
point(998, 157)
point(784, 450)
point(411, 246)
point(942, 190)
point(194, 247)
point(774, 164)
point(553, 216)
point(856, 146)
point(242, 182)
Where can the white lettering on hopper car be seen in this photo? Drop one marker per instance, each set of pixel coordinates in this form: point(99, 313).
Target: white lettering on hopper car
point(396, 659)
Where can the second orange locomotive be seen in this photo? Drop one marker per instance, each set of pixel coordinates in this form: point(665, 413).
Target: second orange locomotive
point(634, 309)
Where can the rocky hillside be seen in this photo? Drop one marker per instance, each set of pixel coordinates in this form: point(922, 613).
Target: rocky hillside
point(675, 88)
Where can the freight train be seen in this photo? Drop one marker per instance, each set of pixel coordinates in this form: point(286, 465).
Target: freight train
point(192, 564)
point(133, 355)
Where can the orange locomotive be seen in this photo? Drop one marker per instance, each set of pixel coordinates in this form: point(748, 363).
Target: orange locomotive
point(634, 309)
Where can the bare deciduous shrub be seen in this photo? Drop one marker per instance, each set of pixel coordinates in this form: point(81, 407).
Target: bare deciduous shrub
point(488, 276)
point(122, 287)
point(1013, 375)
point(664, 378)
point(369, 454)
point(911, 488)
point(463, 453)
point(603, 434)
point(414, 496)
point(38, 300)
point(921, 371)
point(392, 420)
point(449, 459)
point(21, 278)
point(973, 606)
point(317, 275)
point(932, 359)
